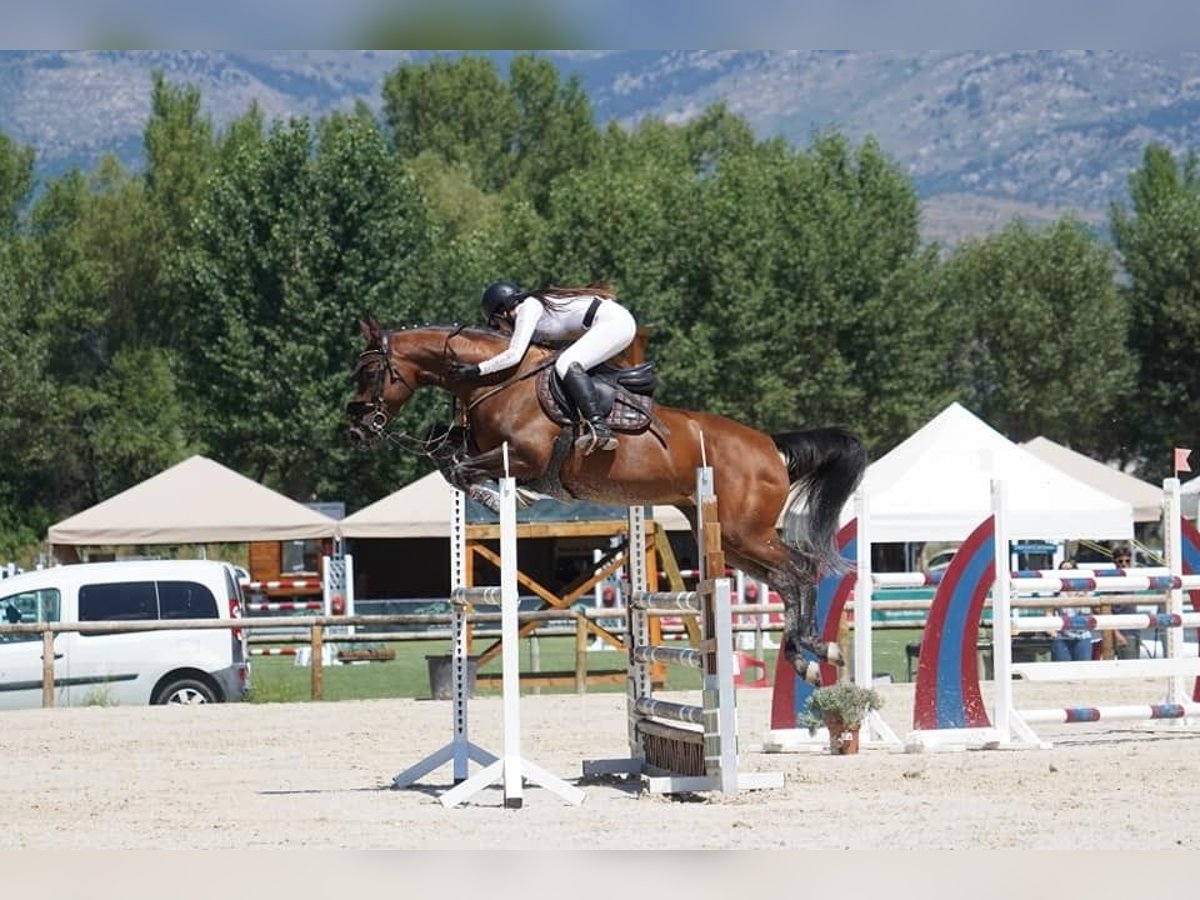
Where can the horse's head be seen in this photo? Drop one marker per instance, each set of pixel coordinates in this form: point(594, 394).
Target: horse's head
point(383, 382)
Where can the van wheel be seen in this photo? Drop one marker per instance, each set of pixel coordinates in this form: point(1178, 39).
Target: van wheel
point(186, 690)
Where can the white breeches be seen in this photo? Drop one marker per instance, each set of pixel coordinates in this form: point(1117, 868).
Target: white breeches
point(613, 329)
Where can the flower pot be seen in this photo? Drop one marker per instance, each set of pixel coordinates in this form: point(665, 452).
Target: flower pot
point(843, 740)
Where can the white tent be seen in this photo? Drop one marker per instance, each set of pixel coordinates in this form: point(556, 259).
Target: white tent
point(1145, 498)
point(1189, 498)
point(422, 509)
point(197, 501)
point(936, 486)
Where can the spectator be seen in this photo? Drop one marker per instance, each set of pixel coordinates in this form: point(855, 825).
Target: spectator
point(1072, 644)
point(1126, 642)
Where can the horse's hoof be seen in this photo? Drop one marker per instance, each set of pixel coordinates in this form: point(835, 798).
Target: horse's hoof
point(810, 671)
point(485, 496)
point(833, 654)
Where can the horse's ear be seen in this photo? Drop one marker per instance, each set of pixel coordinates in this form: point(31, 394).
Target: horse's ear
point(371, 331)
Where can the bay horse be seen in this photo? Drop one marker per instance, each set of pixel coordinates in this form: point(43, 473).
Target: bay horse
point(758, 478)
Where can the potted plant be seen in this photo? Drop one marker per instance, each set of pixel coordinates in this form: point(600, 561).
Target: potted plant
point(840, 708)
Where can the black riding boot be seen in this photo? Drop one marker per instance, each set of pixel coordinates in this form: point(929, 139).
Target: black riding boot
point(579, 386)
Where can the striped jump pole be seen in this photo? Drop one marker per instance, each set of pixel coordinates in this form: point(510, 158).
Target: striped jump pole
point(285, 606)
point(1142, 712)
point(949, 707)
point(674, 746)
point(336, 587)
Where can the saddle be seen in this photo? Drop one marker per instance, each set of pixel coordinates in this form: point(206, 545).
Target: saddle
point(626, 396)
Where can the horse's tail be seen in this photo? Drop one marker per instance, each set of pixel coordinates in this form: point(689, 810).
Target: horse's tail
point(826, 465)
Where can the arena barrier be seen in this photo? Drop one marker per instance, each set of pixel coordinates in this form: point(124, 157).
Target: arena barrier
point(509, 768)
point(679, 747)
point(336, 585)
point(949, 709)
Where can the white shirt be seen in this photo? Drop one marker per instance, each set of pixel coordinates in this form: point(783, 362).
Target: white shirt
point(561, 321)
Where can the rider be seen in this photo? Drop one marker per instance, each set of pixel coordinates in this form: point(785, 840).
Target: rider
point(600, 326)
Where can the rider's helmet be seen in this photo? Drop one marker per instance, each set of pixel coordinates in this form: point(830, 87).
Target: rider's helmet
point(498, 297)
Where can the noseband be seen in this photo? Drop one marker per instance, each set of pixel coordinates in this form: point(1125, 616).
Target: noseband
point(372, 414)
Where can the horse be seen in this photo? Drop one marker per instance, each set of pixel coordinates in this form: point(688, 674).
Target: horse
point(800, 478)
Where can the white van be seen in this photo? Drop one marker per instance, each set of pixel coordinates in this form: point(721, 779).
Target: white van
point(131, 667)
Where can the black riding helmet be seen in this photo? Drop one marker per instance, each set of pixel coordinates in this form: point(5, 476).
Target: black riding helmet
point(498, 297)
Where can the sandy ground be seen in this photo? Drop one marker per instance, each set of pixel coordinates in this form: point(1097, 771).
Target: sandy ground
point(319, 775)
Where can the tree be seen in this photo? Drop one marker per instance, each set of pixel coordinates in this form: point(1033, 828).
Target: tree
point(461, 110)
point(16, 183)
point(180, 153)
point(1158, 237)
point(298, 236)
point(520, 134)
point(555, 131)
point(1041, 331)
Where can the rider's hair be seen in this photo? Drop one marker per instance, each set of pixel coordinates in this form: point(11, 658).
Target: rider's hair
point(548, 295)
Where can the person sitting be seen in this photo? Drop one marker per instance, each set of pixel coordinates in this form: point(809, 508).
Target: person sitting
point(1126, 641)
point(1072, 644)
point(599, 326)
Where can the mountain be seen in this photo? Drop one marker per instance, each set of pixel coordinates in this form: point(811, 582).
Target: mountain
point(984, 136)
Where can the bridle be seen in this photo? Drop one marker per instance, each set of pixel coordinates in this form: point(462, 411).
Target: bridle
point(372, 414)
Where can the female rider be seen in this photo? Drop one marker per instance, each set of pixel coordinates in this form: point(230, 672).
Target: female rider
point(599, 326)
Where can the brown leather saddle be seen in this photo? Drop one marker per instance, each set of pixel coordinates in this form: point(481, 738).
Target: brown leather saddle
point(626, 396)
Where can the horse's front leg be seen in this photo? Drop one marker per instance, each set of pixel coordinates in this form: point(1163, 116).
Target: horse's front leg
point(465, 471)
point(474, 476)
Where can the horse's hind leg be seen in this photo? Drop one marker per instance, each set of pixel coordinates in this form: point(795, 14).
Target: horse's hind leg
point(794, 575)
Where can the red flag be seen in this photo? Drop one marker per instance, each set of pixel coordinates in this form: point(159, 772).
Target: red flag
point(1181, 460)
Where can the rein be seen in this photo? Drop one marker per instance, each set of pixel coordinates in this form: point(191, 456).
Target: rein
point(449, 354)
point(512, 382)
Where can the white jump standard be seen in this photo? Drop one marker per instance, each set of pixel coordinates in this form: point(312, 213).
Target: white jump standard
point(509, 768)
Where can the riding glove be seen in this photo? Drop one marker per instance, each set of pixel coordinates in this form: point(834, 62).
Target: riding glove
point(457, 371)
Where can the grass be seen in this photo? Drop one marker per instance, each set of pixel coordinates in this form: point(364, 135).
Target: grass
point(279, 680)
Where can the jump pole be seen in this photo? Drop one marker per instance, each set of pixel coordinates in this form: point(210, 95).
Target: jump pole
point(952, 712)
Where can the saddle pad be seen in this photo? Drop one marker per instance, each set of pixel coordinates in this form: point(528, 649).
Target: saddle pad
point(629, 412)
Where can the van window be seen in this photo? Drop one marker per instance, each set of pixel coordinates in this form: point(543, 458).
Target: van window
point(186, 600)
point(121, 601)
point(42, 605)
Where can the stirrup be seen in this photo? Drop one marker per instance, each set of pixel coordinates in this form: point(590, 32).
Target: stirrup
point(589, 439)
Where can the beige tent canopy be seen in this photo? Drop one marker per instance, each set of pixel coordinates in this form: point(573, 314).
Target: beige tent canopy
point(1145, 498)
point(422, 509)
point(197, 501)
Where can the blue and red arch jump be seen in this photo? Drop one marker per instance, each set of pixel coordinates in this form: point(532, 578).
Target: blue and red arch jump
point(947, 692)
point(1191, 566)
point(791, 691)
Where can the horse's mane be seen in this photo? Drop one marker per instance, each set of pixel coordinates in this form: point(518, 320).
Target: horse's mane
point(482, 332)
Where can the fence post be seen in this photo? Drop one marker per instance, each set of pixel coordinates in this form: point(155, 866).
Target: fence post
point(47, 668)
point(317, 644)
point(581, 642)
